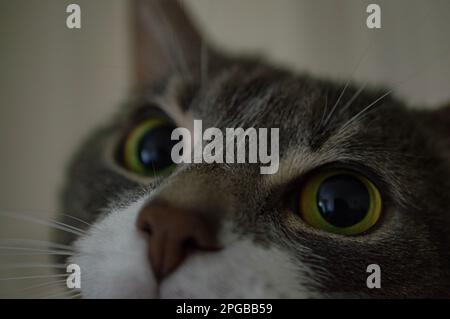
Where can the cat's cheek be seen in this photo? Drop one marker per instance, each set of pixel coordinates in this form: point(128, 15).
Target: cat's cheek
point(113, 259)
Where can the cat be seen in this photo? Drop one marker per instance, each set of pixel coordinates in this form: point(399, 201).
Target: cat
point(226, 231)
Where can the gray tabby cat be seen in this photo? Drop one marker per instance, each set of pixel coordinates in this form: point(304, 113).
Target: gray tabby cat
point(225, 230)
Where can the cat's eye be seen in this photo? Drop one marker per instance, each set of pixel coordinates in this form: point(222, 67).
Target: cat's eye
point(146, 150)
point(340, 201)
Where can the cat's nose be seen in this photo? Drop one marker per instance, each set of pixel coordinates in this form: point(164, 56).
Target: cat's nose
point(173, 234)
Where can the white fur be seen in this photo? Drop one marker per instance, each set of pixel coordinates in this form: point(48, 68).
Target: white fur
point(114, 264)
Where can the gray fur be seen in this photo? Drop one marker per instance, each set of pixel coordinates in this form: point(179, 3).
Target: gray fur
point(406, 152)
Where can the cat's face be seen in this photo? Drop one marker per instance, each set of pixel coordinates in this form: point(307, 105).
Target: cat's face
point(225, 230)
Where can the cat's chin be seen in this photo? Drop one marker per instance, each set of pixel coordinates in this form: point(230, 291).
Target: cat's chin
point(114, 264)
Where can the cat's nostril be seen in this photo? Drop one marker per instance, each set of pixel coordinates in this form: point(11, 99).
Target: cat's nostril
point(190, 244)
point(147, 229)
point(172, 234)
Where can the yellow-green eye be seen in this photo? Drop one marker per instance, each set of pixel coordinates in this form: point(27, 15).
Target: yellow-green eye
point(341, 202)
point(147, 148)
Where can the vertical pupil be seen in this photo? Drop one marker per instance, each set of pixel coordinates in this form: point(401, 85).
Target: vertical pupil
point(155, 147)
point(343, 200)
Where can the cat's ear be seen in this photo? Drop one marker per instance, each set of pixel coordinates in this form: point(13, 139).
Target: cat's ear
point(437, 123)
point(166, 41)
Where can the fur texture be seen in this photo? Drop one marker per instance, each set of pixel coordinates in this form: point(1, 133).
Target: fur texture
point(268, 250)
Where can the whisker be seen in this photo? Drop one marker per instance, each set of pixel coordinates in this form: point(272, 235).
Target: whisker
point(32, 265)
point(393, 87)
point(39, 253)
point(29, 242)
point(43, 285)
point(364, 55)
point(333, 109)
point(42, 289)
point(77, 296)
point(363, 111)
point(58, 295)
point(69, 226)
point(45, 222)
point(77, 219)
point(34, 277)
point(32, 249)
point(353, 98)
point(325, 109)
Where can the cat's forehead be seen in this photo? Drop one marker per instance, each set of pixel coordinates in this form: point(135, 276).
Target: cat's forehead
point(311, 114)
point(308, 111)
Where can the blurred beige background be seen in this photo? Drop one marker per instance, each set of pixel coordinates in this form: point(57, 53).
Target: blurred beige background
point(56, 84)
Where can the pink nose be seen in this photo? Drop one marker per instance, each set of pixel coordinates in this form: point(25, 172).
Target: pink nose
point(173, 234)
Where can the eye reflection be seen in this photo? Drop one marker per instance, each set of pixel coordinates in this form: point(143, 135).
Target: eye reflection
point(340, 201)
point(147, 148)
point(154, 148)
point(343, 200)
